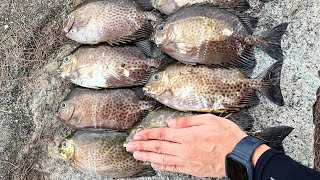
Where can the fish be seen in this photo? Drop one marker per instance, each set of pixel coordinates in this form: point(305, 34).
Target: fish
point(116, 109)
point(170, 6)
point(217, 90)
point(273, 136)
point(104, 66)
point(112, 21)
point(157, 119)
point(101, 153)
point(214, 36)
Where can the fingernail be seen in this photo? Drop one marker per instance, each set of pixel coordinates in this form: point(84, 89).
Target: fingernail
point(171, 122)
point(137, 138)
point(154, 166)
point(129, 147)
point(137, 155)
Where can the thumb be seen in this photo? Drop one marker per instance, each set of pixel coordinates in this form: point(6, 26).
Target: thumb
point(189, 121)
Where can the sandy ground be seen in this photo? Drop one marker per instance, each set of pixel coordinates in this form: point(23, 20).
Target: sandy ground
point(28, 123)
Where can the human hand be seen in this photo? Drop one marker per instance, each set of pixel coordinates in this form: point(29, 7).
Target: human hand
point(195, 145)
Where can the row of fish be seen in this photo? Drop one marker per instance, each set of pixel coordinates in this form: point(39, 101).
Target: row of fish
point(213, 44)
point(102, 152)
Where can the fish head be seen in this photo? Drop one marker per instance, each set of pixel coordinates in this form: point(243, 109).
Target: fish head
point(157, 84)
point(66, 110)
point(66, 67)
point(66, 148)
point(165, 6)
point(162, 34)
point(68, 23)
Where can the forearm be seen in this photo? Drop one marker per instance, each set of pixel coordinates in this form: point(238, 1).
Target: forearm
point(276, 165)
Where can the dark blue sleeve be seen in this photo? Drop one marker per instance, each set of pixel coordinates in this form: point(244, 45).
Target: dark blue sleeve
point(275, 165)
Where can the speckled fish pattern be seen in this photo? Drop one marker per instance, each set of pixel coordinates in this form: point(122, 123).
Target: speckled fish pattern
point(108, 67)
point(168, 7)
point(112, 21)
point(203, 89)
point(101, 153)
point(117, 109)
point(203, 34)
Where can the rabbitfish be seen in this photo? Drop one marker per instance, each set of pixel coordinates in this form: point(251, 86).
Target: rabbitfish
point(109, 67)
point(158, 118)
point(117, 109)
point(169, 6)
point(101, 153)
point(210, 35)
point(204, 89)
point(112, 21)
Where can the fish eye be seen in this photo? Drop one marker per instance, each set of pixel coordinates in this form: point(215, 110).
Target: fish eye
point(64, 144)
point(156, 77)
point(66, 59)
point(161, 27)
point(63, 105)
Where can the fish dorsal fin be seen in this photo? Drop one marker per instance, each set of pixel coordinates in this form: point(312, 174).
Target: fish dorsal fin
point(249, 22)
point(143, 32)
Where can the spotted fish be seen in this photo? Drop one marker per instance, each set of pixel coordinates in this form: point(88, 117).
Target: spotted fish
point(110, 67)
point(211, 35)
point(169, 6)
point(273, 136)
point(112, 21)
point(204, 89)
point(158, 118)
point(117, 109)
point(100, 153)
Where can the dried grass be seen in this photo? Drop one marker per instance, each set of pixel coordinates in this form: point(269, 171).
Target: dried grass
point(24, 50)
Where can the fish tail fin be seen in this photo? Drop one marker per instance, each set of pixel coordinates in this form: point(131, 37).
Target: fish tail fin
point(160, 59)
point(270, 83)
point(242, 6)
point(243, 119)
point(147, 47)
point(145, 4)
point(270, 41)
point(274, 136)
